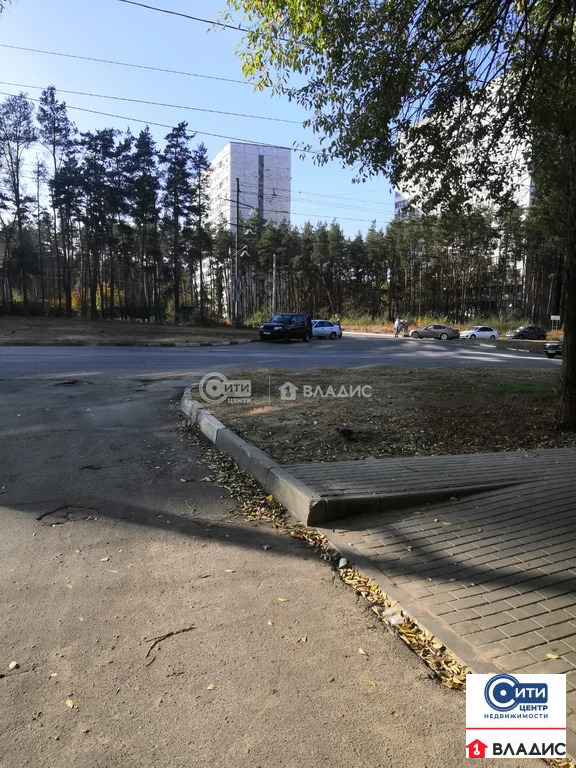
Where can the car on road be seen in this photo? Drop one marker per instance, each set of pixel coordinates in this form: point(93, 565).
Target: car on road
point(287, 326)
point(326, 329)
point(479, 332)
point(553, 348)
point(527, 332)
point(435, 331)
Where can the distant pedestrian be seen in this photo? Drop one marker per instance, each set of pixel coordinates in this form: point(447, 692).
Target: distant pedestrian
point(397, 327)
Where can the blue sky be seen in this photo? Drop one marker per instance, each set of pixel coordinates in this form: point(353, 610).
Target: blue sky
point(109, 29)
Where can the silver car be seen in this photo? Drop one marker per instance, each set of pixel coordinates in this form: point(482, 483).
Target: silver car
point(326, 329)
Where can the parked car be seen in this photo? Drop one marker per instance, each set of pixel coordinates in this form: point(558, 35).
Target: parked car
point(527, 332)
point(435, 332)
point(287, 326)
point(326, 329)
point(479, 332)
point(553, 348)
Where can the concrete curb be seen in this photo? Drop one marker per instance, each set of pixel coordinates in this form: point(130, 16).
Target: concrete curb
point(302, 502)
point(126, 343)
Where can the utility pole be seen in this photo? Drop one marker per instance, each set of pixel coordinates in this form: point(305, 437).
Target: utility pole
point(274, 293)
point(236, 279)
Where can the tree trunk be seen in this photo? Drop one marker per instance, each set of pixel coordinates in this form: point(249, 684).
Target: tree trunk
point(567, 415)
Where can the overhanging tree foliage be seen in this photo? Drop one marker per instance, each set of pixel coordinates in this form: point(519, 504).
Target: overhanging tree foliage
point(455, 86)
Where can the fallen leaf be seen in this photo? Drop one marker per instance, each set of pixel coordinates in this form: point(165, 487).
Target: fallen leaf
point(270, 623)
point(270, 498)
point(13, 665)
point(80, 618)
point(69, 586)
point(303, 639)
point(104, 559)
point(445, 523)
point(266, 547)
point(69, 703)
point(205, 479)
point(112, 571)
point(362, 652)
point(211, 687)
point(552, 656)
point(370, 682)
point(53, 674)
point(205, 576)
point(282, 599)
point(229, 570)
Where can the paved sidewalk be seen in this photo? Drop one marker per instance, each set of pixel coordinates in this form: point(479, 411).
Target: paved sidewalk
point(495, 573)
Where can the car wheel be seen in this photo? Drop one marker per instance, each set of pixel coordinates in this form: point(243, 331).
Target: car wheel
point(285, 337)
point(521, 338)
point(472, 335)
point(305, 337)
point(492, 338)
point(550, 355)
point(332, 335)
point(444, 336)
point(415, 335)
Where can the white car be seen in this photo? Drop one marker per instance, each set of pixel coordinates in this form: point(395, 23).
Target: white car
point(325, 329)
point(479, 332)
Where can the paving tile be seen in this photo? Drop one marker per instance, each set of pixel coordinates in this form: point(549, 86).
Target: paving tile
point(496, 620)
point(519, 627)
point(486, 636)
point(558, 631)
point(550, 667)
point(457, 617)
point(514, 662)
point(523, 642)
point(553, 617)
point(466, 627)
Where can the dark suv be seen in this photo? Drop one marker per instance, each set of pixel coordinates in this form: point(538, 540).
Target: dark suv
point(286, 326)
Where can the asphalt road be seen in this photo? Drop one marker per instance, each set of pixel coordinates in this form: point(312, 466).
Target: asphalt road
point(351, 352)
point(113, 535)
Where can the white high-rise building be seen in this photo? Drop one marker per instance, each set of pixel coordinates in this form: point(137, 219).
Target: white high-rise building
point(263, 174)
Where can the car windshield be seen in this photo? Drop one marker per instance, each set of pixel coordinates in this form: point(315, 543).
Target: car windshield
point(281, 319)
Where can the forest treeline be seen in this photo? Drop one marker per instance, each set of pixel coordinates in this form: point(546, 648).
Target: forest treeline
point(105, 224)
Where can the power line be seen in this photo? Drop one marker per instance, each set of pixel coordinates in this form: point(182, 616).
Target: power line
point(165, 125)
point(186, 16)
point(124, 64)
point(298, 213)
point(320, 194)
point(157, 103)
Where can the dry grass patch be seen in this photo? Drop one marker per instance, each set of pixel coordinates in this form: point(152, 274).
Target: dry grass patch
point(49, 330)
point(411, 412)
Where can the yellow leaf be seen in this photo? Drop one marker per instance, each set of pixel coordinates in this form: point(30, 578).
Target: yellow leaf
point(552, 656)
point(229, 570)
point(270, 498)
point(80, 618)
point(362, 652)
point(370, 682)
point(69, 586)
point(13, 665)
point(69, 703)
point(270, 623)
point(282, 599)
point(211, 687)
point(112, 571)
point(53, 674)
point(303, 639)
